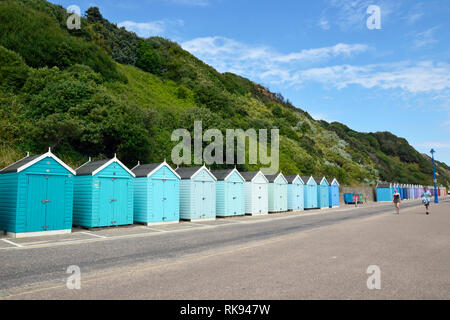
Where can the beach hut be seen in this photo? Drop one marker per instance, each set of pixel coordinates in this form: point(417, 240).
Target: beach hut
point(296, 192)
point(333, 193)
point(384, 192)
point(256, 193)
point(230, 193)
point(323, 192)
point(278, 186)
point(404, 192)
point(36, 196)
point(156, 194)
point(197, 193)
point(103, 194)
point(310, 193)
point(400, 190)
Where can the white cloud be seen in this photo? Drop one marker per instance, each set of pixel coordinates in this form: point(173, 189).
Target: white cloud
point(346, 14)
point(148, 29)
point(324, 24)
point(425, 38)
point(422, 77)
point(262, 62)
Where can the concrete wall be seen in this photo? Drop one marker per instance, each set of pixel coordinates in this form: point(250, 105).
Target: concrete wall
point(368, 192)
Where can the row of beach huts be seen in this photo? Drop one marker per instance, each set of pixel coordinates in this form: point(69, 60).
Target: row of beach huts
point(42, 195)
point(385, 191)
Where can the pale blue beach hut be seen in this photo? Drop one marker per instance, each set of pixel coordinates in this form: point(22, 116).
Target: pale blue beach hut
point(310, 192)
point(256, 193)
point(334, 193)
point(323, 192)
point(296, 192)
point(156, 194)
point(230, 193)
point(197, 193)
point(278, 198)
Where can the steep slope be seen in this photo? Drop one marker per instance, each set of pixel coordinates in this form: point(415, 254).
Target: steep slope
point(102, 89)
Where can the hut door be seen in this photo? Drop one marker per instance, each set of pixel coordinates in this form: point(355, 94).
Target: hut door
point(158, 202)
point(55, 211)
point(259, 197)
point(107, 202)
point(170, 206)
point(37, 203)
point(120, 201)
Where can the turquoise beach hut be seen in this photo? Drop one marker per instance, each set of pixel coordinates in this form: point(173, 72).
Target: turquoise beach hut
point(334, 193)
point(278, 186)
point(256, 193)
point(197, 193)
point(385, 192)
point(36, 196)
point(323, 193)
point(230, 193)
point(310, 193)
point(156, 194)
point(103, 194)
point(296, 192)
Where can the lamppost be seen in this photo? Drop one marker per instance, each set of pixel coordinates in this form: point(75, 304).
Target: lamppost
point(436, 200)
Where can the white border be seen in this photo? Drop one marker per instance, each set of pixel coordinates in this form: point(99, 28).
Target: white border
point(260, 172)
point(108, 163)
point(232, 172)
point(43, 156)
point(159, 167)
point(210, 173)
point(38, 233)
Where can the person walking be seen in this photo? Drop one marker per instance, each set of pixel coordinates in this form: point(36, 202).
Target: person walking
point(396, 199)
point(426, 201)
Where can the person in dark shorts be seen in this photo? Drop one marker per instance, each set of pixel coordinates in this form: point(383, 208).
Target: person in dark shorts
point(396, 199)
point(426, 200)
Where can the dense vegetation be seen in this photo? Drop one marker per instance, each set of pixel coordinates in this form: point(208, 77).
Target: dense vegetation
point(103, 90)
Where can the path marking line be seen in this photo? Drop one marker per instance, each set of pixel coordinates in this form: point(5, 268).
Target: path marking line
point(93, 234)
point(13, 243)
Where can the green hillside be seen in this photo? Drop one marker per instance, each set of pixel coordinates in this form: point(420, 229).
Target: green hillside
point(103, 90)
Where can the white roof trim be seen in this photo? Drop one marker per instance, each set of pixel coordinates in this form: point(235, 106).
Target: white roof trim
point(300, 178)
point(232, 173)
point(260, 172)
point(282, 175)
point(108, 163)
point(210, 173)
point(45, 155)
point(311, 177)
point(323, 178)
point(334, 179)
point(160, 166)
point(297, 177)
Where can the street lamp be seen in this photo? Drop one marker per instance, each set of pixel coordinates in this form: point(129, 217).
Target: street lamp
point(436, 200)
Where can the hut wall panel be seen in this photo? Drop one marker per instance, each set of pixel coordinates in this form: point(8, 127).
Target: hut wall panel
point(8, 201)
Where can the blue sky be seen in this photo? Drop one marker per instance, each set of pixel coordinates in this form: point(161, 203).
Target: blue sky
point(320, 55)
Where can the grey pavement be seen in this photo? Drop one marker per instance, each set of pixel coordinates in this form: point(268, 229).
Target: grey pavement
point(317, 254)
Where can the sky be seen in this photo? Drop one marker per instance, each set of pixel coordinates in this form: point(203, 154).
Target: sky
point(382, 68)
